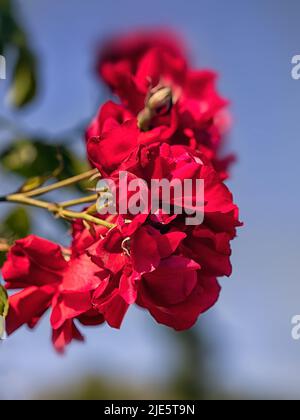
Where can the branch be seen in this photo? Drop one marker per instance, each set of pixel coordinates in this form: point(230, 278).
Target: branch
point(60, 209)
point(76, 202)
point(62, 184)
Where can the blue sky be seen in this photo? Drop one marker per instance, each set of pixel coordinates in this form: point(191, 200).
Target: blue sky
point(251, 44)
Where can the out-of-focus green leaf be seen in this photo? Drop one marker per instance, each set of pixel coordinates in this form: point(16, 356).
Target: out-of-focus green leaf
point(35, 158)
point(4, 307)
point(7, 23)
point(24, 79)
point(2, 258)
point(33, 183)
point(188, 383)
point(37, 181)
point(3, 253)
point(3, 302)
point(15, 226)
point(5, 5)
point(24, 84)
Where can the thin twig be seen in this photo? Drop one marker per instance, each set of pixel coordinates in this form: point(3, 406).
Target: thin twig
point(62, 184)
point(60, 209)
point(76, 202)
point(57, 210)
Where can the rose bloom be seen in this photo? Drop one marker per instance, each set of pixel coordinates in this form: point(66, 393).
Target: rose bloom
point(152, 68)
point(152, 274)
point(163, 265)
point(48, 280)
point(57, 278)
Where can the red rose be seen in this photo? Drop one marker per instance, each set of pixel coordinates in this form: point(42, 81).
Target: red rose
point(138, 66)
point(112, 140)
point(128, 258)
point(157, 162)
point(148, 270)
point(110, 116)
point(208, 243)
point(48, 281)
point(84, 238)
point(176, 293)
point(144, 61)
point(130, 64)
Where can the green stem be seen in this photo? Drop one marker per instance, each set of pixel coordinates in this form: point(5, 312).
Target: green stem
point(60, 210)
point(87, 218)
point(62, 184)
point(57, 210)
point(76, 202)
point(23, 199)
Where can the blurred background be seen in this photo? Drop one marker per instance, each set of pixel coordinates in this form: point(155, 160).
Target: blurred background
point(243, 347)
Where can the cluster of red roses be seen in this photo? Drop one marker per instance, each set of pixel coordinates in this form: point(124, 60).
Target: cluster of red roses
point(170, 123)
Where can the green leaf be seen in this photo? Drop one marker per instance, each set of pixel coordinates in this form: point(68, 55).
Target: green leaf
point(15, 226)
point(24, 84)
point(7, 23)
point(2, 258)
point(33, 183)
point(12, 36)
point(35, 158)
point(4, 307)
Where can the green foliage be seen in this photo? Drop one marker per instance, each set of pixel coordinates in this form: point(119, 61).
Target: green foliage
point(24, 85)
point(12, 36)
point(93, 388)
point(22, 91)
point(4, 306)
point(15, 226)
point(188, 382)
point(2, 258)
point(8, 26)
point(3, 303)
point(37, 161)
